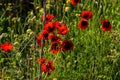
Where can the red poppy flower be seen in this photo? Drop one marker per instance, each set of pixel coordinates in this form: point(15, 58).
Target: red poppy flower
point(42, 60)
point(86, 14)
point(67, 45)
point(6, 47)
point(106, 26)
point(50, 66)
point(55, 47)
point(54, 38)
point(58, 24)
point(50, 27)
point(49, 17)
point(47, 67)
point(44, 68)
point(50, 63)
point(83, 24)
point(63, 30)
point(44, 34)
point(75, 2)
point(39, 38)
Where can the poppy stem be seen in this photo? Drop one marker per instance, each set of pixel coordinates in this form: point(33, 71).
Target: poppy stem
point(42, 40)
point(45, 76)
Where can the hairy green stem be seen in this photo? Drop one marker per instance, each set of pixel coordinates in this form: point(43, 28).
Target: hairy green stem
point(42, 41)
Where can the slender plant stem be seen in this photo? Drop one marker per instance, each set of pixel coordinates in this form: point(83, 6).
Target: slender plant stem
point(42, 41)
point(45, 76)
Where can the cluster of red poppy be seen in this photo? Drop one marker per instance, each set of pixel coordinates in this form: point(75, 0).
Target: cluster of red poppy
point(6, 47)
point(46, 66)
point(86, 15)
point(54, 29)
point(50, 29)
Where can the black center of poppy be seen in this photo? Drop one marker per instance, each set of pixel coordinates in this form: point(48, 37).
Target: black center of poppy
point(45, 35)
point(84, 23)
point(54, 46)
point(76, 1)
point(51, 28)
point(86, 16)
point(62, 30)
point(54, 39)
point(106, 24)
point(68, 46)
point(47, 19)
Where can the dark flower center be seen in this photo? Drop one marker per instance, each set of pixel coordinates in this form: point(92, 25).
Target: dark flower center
point(47, 19)
point(76, 1)
point(45, 35)
point(106, 24)
point(54, 39)
point(86, 16)
point(62, 30)
point(68, 46)
point(54, 46)
point(84, 23)
point(51, 28)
